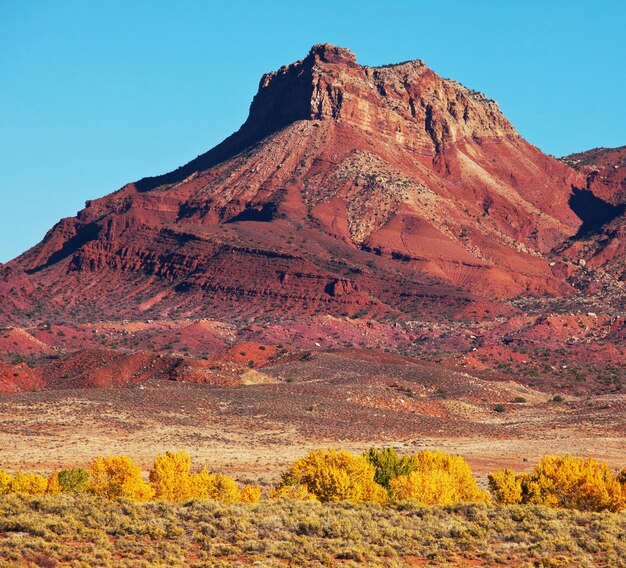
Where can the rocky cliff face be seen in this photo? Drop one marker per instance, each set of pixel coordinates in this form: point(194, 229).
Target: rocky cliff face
point(605, 172)
point(386, 191)
point(601, 242)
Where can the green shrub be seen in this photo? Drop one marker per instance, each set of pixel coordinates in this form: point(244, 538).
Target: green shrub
point(388, 464)
point(74, 480)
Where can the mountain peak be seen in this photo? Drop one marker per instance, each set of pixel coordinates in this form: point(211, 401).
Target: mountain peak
point(329, 53)
point(406, 102)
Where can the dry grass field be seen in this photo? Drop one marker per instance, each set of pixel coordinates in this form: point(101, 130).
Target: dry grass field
point(87, 531)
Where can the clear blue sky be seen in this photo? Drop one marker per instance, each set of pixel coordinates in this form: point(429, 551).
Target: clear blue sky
point(94, 94)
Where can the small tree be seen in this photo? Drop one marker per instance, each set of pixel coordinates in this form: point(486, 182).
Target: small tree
point(333, 475)
point(438, 479)
point(170, 476)
point(115, 477)
point(388, 465)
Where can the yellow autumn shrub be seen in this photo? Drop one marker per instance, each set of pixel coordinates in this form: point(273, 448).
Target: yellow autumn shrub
point(506, 487)
point(170, 477)
point(569, 482)
point(214, 486)
point(6, 480)
point(202, 484)
point(576, 483)
point(226, 489)
point(332, 475)
point(295, 491)
point(621, 479)
point(250, 494)
point(29, 483)
point(438, 479)
point(118, 476)
point(54, 487)
point(374, 493)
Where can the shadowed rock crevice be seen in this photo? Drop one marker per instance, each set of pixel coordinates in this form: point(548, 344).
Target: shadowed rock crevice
point(85, 234)
point(261, 213)
point(593, 211)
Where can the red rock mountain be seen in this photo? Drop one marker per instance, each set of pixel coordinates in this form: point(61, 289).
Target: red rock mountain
point(349, 189)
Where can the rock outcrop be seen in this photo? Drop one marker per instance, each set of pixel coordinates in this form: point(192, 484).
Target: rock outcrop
point(601, 204)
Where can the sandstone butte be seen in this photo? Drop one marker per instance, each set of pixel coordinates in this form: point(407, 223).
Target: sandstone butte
point(381, 191)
